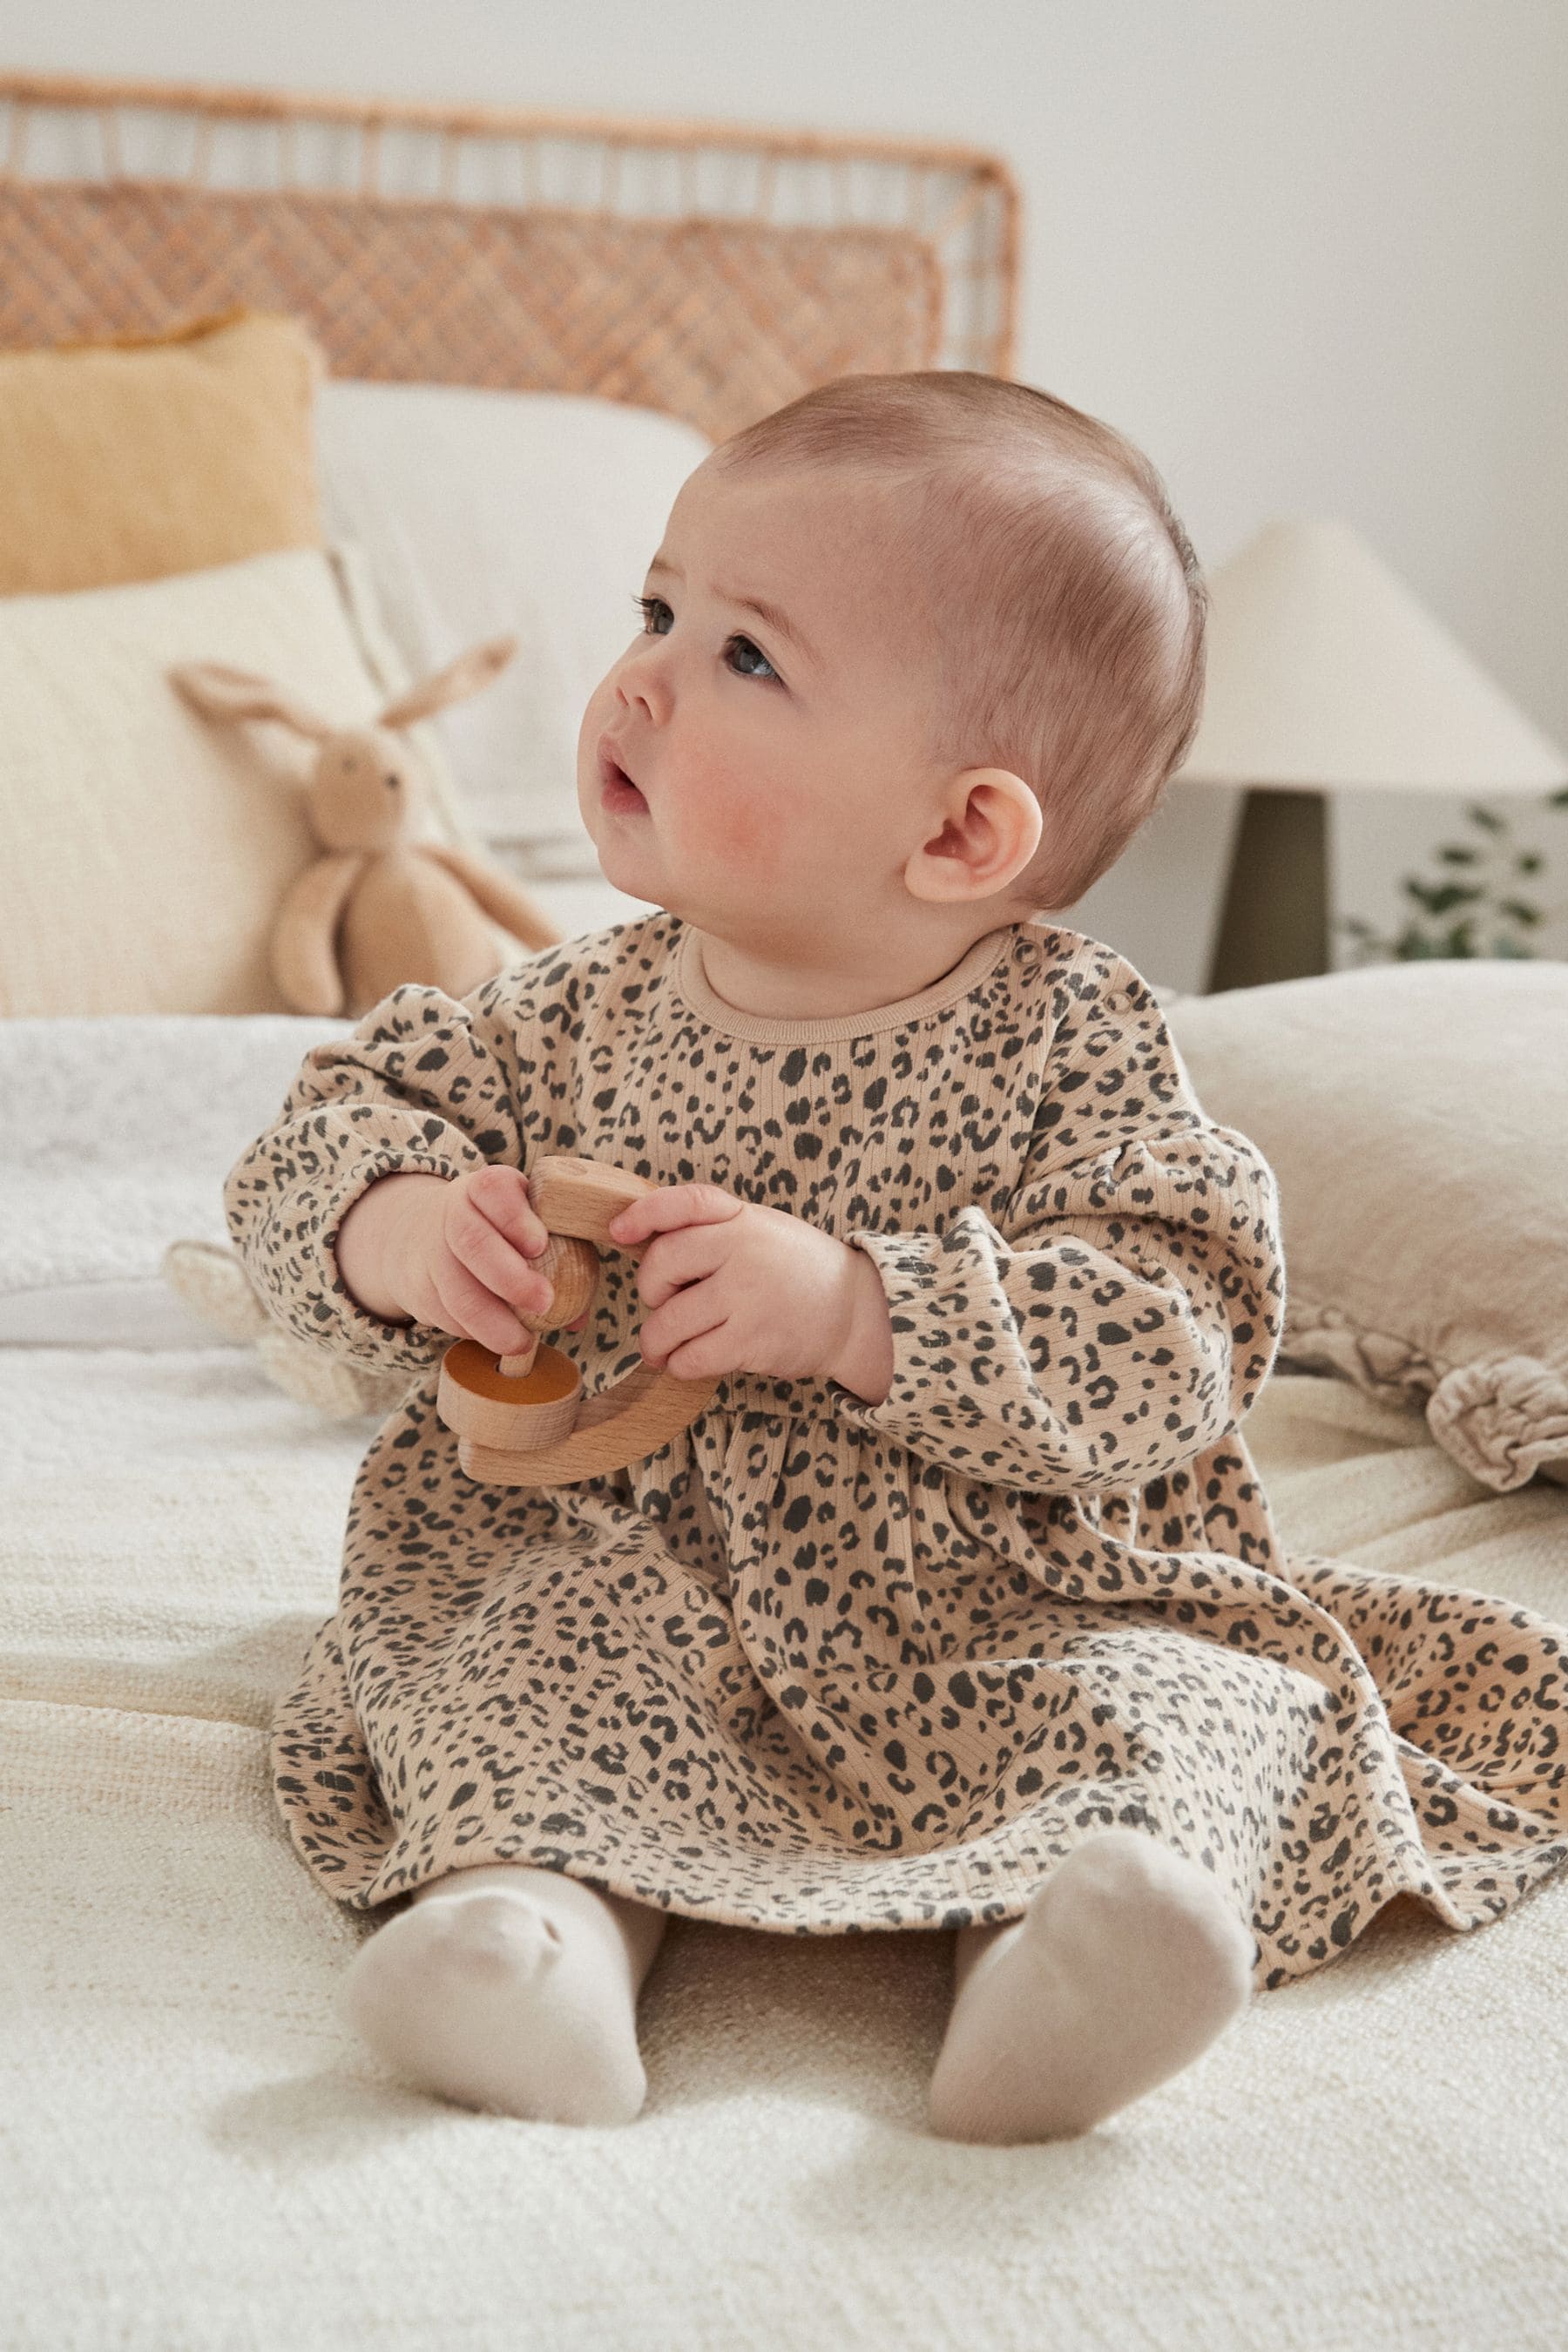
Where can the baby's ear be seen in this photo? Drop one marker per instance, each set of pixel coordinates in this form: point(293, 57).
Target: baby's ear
point(984, 831)
point(219, 692)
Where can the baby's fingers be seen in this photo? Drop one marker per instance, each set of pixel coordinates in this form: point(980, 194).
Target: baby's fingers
point(672, 1205)
point(500, 1193)
point(472, 1312)
point(479, 1246)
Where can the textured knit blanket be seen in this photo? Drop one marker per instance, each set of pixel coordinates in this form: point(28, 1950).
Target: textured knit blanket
point(196, 2151)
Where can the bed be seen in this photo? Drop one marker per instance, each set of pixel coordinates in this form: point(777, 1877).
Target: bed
point(198, 2152)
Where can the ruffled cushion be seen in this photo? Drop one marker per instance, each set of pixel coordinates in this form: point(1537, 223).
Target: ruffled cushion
point(1416, 1117)
point(1504, 1421)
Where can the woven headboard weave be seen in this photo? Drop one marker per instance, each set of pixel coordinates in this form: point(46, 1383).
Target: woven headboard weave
point(710, 272)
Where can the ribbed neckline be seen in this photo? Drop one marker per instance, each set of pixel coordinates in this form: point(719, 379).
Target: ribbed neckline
point(769, 1029)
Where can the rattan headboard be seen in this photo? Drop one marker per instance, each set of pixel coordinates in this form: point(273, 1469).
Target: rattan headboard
point(709, 271)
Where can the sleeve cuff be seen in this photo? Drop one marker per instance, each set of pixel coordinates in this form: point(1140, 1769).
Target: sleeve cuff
point(293, 1259)
point(903, 1263)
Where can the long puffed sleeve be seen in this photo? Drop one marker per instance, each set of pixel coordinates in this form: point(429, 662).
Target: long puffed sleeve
point(424, 1085)
point(1123, 1311)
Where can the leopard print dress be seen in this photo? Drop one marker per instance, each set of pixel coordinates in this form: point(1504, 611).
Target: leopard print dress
point(823, 1666)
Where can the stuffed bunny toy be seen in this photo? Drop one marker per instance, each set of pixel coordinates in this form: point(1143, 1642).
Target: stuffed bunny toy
point(210, 1278)
point(377, 909)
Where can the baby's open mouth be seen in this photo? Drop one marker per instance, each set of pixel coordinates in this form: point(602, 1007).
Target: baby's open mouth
point(615, 786)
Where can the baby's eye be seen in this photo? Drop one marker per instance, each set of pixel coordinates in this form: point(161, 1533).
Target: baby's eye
point(749, 660)
point(657, 620)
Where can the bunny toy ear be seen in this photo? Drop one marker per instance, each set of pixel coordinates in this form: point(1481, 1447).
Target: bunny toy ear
point(464, 677)
point(219, 692)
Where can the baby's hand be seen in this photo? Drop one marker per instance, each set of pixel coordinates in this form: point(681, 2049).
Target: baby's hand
point(450, 1251)
point(737, 1288)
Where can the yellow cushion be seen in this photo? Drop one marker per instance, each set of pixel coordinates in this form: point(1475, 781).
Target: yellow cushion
point(136, 458)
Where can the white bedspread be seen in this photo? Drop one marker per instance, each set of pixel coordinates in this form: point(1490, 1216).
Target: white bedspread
point(195, 2152)
point(117, 1136)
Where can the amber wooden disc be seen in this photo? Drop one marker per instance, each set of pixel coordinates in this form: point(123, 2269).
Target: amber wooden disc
point(490, 1407)
point(477, 1373)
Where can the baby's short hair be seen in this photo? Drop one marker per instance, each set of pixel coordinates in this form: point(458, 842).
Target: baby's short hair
point(1074, 657)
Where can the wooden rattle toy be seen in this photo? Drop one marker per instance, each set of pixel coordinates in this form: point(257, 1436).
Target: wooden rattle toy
point(521, 1419)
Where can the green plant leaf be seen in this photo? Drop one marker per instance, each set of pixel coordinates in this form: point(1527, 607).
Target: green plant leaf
point(1440, 899)
point(1530, 862)
point(1485, 816)
point(1519, 912)
point(1455, 853)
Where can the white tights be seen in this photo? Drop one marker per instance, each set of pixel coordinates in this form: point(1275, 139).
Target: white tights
point(515, 1990)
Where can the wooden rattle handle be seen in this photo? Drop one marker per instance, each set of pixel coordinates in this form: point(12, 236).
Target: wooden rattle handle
point(572, 1268)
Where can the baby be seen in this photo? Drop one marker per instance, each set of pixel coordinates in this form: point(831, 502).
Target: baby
point(915, 1625)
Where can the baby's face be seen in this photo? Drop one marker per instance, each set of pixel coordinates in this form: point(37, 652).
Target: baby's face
point(770, 716)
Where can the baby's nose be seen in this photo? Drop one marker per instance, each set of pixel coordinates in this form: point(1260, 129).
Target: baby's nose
point(642, 684)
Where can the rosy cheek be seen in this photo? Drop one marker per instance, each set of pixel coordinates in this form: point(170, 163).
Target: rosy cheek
point(746, 832)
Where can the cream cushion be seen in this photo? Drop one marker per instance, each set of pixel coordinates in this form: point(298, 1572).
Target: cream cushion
point(1416, 1117)
point(144, 852)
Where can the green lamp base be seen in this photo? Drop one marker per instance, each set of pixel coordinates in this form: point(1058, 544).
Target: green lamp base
point(1274, 924)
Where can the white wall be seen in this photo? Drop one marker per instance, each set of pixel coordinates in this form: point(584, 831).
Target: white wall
point(1311, 257)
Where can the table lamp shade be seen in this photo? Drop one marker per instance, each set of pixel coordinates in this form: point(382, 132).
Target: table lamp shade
point(1324, 671)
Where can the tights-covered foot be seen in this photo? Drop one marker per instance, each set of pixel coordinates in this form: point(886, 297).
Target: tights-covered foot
point(513, 1990)
point(1127, 1964)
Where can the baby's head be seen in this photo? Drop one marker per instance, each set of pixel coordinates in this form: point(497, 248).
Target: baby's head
point(919, 655)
